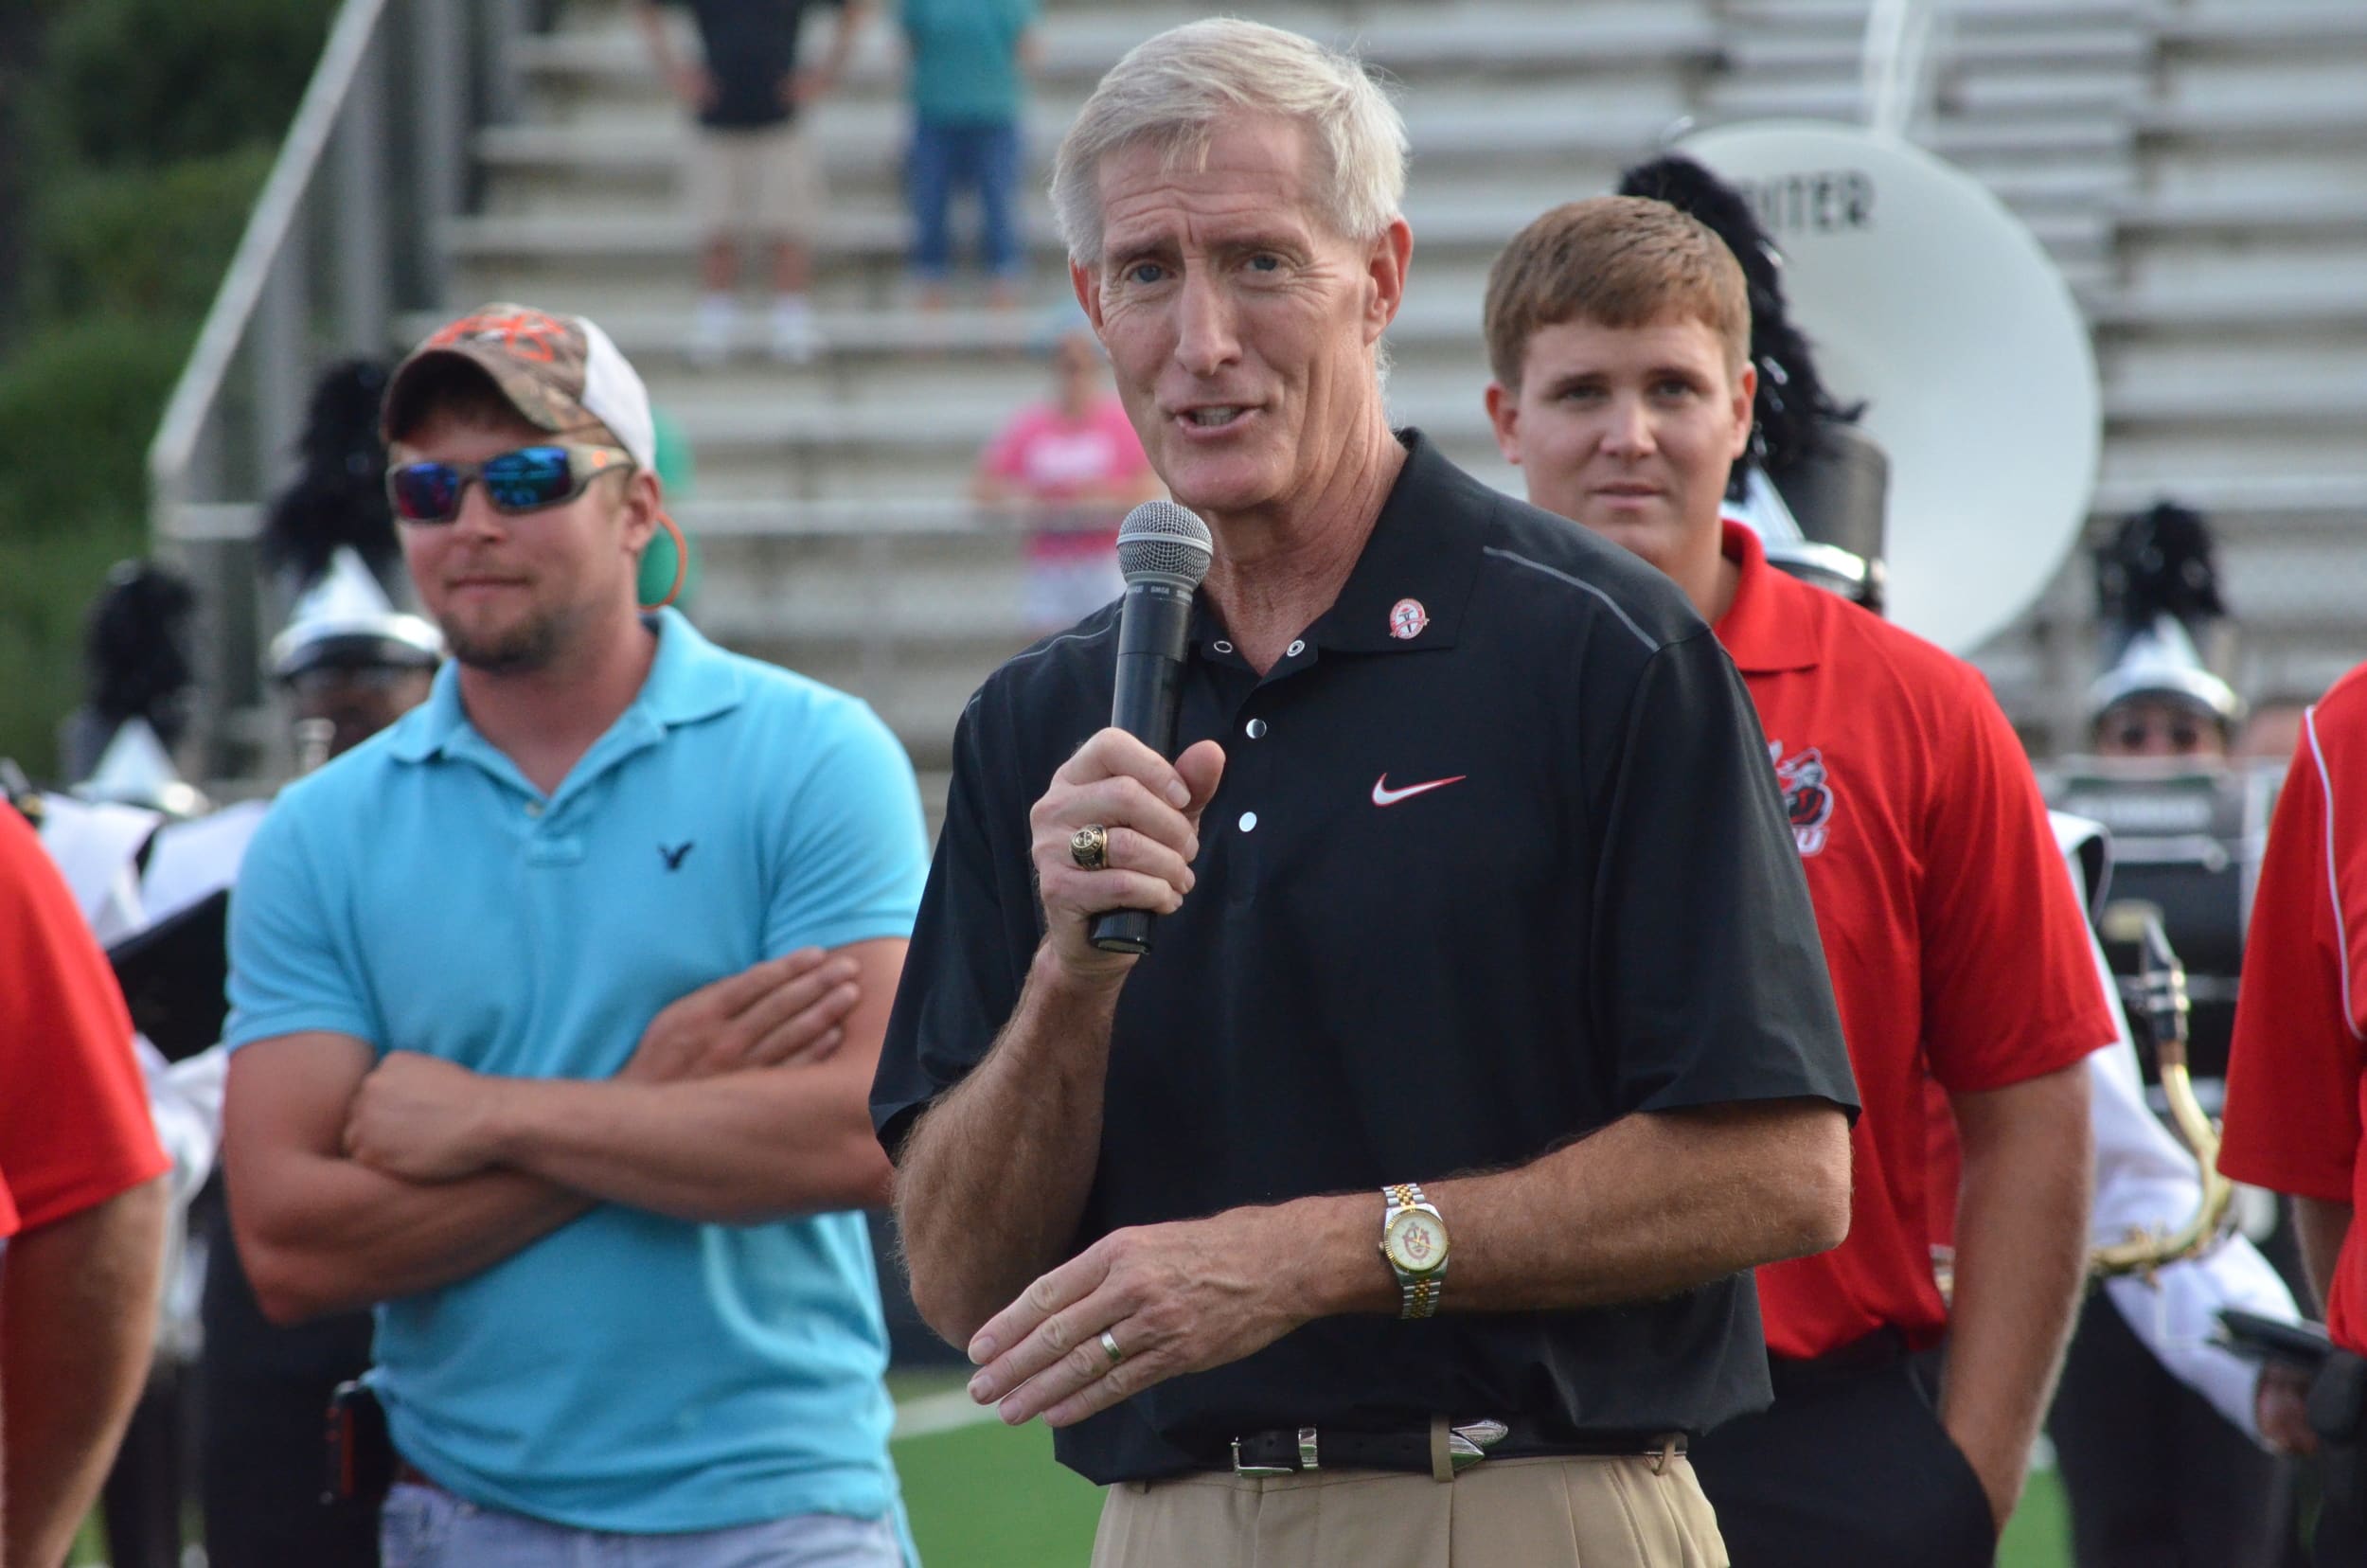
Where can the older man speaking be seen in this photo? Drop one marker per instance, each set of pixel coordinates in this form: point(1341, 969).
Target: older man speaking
point(1396, 1210)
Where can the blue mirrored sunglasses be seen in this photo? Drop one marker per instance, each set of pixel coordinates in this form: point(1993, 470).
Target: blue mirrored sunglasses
point(525, 480)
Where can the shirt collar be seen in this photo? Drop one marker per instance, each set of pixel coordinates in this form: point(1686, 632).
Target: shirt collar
point(1766, 629)
point(689, 679)
point(1410, 586)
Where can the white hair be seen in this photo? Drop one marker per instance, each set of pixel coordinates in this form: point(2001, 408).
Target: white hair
point(1173, 91)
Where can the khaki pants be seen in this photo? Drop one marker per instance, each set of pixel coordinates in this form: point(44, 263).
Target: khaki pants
point(1578, 1512)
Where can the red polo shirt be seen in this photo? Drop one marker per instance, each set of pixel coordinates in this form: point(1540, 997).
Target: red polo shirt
point(2294, 1077)
point(75, 1128)
point(1958, 950)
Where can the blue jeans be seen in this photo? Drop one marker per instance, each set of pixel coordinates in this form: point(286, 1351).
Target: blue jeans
point(945, 158)
point(429, 1527)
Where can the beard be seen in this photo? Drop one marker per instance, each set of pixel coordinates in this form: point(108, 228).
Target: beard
point(523, 645)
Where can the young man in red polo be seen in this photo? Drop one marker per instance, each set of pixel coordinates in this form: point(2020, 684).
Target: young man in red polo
point(1618, 332)
point(2295, 1072)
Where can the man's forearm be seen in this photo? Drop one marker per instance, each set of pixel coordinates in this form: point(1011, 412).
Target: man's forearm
point(342, 1236)
point(1649, 1207)
point(2021, 1256)
point(732, 1149)
point(77, 1298)
point(992, 1180)
point(2321, 1227)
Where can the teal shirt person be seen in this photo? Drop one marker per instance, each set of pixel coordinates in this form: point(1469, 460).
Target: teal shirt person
point(628, 1371)
point(965, 59)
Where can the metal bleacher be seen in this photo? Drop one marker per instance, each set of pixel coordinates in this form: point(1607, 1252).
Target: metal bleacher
point(2198, 168)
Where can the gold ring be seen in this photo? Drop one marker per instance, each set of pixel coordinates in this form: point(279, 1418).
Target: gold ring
point(1089, 847)
point(1109, 1348)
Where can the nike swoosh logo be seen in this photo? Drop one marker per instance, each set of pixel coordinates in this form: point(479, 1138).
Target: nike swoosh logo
point(1384, 796)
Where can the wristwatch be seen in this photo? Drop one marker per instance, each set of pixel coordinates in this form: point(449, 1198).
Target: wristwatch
point(1414, 1239)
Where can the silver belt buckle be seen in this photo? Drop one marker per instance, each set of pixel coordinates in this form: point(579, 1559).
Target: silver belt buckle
point(1466, 1445)
point(1307, 1458)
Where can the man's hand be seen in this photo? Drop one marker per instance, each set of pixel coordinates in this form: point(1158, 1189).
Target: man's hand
point(783, 1010)
point(2281, 1406)
point(1151, 811)
point(1177, 1298)
point(421, 1118)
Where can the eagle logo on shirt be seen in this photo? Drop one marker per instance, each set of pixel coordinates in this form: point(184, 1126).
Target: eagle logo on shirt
point(1807, 795)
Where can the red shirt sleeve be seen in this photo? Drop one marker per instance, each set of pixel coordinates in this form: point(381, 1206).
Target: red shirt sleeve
point(2293, 1066)
point(2010, 986)
point(75, 1128)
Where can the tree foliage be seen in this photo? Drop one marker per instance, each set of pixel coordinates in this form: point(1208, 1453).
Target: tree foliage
point(145, 129)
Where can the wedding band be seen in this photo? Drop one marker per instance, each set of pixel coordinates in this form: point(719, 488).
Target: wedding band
point(1109, 1348)
point(1089, 847)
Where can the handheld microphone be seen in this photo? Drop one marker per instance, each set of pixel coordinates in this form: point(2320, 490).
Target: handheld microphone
point(1162, 552)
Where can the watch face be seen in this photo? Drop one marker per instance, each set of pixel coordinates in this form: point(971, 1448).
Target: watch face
point(1416, 1241)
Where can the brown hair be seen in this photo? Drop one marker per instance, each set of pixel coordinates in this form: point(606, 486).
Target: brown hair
point(1619, 261)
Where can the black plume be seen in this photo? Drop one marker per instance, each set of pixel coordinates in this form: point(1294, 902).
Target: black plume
point(2157, 562)
point(135, 648)
point(1791, 401)
point(340, 497)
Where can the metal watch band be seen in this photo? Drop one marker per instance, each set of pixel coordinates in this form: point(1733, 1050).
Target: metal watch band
point(1418, 1298)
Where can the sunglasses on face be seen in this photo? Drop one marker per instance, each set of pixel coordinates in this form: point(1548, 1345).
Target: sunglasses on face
point(525, 480)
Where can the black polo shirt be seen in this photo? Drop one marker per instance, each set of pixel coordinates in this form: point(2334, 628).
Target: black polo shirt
point(1498, 859)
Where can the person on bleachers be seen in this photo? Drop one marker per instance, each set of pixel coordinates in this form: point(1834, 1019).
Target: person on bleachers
point(1068, 469)
point(969, 91)
point(753, 172)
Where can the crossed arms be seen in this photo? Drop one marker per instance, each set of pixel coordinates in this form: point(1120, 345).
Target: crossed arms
point(352, 1183)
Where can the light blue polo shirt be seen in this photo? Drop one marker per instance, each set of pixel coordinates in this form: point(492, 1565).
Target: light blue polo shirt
point(628, 1371)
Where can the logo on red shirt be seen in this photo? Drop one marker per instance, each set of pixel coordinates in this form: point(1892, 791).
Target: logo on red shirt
point(1807, 795)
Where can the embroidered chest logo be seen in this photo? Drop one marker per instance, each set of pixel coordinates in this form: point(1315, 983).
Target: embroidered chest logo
point(673, 857)
point(1807, 795)
point(1406, 619)
point(1384, 796)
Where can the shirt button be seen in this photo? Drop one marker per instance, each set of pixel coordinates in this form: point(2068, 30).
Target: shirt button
point(1249, 822)
point(1221, 646)
point(1257, 728)
point(1296, 648)
point(534, 808)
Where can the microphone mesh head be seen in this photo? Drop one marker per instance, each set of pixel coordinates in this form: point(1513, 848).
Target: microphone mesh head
point(1160, 539)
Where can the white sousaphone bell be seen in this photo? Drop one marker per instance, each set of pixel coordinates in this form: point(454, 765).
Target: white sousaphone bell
point(1928, 300)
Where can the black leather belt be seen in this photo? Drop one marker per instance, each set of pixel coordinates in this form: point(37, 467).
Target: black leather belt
point(1290, 1450)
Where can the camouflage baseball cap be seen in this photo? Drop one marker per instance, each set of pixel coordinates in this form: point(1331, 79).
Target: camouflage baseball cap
point(561, 373)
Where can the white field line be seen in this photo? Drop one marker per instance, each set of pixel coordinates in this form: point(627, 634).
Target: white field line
point(927, 1414)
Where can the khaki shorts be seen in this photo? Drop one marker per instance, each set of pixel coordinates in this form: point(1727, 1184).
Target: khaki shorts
point(762, 184)
point(1579, 1512)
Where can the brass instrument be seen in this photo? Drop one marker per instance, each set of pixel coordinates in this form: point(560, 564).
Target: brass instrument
point(2157, 995)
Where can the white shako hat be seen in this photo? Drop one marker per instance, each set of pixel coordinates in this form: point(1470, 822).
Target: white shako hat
point(344, 618)
point(2160, 661)
point(136, 770)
